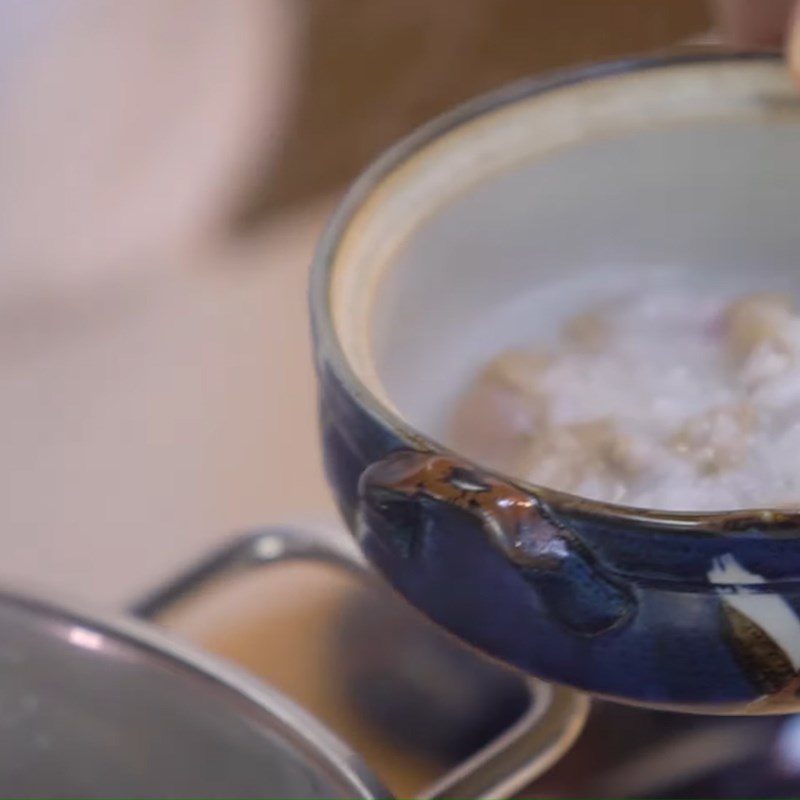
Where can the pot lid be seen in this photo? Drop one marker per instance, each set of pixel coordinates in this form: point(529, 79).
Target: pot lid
point(94, 707)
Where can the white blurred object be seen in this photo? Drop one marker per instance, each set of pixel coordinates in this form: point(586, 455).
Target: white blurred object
point(140, 414)
point(129, 130)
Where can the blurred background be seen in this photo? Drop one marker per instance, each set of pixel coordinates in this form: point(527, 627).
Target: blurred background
point(167, 166)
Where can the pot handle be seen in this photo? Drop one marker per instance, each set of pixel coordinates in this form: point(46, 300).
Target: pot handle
point(532, 745)
point(272, 545)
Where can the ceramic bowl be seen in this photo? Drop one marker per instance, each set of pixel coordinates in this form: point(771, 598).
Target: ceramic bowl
point(448, 250)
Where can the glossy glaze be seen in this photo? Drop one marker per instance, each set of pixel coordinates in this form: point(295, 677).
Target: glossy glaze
point(689, 611)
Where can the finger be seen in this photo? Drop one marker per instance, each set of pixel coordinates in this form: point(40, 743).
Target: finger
point(752, 23)
point(793, 45)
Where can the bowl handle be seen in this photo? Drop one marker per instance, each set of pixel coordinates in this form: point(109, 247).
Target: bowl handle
point(401, 500)
point(532, 745)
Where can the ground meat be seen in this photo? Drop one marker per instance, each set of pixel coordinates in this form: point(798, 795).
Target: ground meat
point(670, 401)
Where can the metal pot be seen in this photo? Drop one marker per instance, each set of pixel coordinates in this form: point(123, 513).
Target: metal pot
point(99, 706)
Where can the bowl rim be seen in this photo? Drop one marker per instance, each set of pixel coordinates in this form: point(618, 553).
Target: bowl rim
point(329, 349)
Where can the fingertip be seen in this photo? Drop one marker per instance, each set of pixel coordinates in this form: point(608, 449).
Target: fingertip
point(793, 45)
point(752, 23)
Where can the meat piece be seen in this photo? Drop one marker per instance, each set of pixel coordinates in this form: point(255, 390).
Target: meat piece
point(717, 440)
point(502, 407)
point(755, 321)
point(520, 370)
point(567, 455)
point(589, 331)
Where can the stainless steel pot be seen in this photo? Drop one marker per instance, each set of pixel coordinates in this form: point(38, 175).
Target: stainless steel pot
point(99, 706)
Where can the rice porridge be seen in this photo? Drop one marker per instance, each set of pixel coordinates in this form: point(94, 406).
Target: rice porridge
point(670, 400)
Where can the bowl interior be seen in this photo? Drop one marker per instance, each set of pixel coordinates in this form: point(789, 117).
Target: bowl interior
point(487, 234)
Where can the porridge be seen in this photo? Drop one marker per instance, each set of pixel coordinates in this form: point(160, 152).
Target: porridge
point(672, 400)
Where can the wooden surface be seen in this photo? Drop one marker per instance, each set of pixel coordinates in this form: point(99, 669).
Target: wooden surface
point(372, 70)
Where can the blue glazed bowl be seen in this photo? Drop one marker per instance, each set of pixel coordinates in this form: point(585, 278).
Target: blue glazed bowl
point(688, 163)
